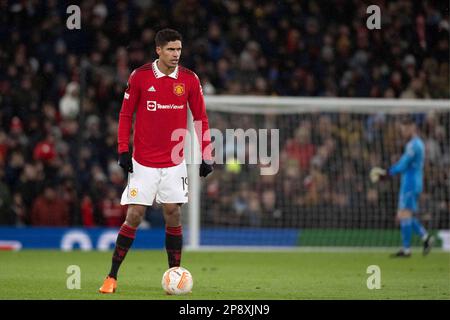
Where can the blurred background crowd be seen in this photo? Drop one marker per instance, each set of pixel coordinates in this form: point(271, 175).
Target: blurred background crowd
point(323, 177)
point(59, 158)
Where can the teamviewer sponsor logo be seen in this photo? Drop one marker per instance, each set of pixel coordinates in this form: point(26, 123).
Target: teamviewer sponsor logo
point(151, 105)
point(170, 106)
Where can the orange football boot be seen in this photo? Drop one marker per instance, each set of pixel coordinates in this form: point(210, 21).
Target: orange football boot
point(109, 285)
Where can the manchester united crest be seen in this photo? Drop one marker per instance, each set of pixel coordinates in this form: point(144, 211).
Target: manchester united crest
point(178, 89)
point(133, 192)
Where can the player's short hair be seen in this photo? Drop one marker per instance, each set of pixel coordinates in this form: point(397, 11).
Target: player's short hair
point(165, 35)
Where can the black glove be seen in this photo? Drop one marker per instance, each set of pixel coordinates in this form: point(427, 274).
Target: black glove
point(125, 162)
point(206, 168)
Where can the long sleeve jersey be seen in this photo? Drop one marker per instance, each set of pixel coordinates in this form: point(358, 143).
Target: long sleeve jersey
point(410, 166)
point(160, 102)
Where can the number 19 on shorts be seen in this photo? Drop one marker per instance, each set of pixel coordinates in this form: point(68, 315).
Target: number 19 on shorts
point(184, 181)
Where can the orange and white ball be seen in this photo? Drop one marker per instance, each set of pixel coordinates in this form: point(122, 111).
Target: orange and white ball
point(177, 281)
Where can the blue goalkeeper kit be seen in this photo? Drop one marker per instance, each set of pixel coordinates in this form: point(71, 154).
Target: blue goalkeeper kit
point(410, 166)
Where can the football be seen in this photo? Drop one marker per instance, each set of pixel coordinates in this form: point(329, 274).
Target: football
point(177, 281)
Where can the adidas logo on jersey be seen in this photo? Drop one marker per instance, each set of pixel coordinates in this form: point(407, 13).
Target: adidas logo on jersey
point(151, 89)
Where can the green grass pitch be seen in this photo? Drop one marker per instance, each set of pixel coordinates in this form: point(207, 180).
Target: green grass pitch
point(39, 274)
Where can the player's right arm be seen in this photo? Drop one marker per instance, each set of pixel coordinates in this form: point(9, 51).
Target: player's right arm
point(129, 104)
point(401, 165)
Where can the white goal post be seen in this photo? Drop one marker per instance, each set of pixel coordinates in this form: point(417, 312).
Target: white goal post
point(268, 105)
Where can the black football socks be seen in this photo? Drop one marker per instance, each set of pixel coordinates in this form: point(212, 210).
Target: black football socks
point(174, 244)
point(123, 243)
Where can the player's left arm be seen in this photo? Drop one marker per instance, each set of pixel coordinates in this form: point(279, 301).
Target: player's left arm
point(198, 108)
point(129, 103)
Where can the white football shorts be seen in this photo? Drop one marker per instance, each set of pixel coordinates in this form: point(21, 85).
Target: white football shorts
point(168, 185)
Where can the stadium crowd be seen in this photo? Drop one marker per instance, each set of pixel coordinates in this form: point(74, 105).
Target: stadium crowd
point(322, 181)
point(58, 162)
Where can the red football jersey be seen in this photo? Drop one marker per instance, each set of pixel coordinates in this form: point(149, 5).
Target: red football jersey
point(160, 102)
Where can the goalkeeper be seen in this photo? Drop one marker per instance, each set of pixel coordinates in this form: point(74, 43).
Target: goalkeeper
point(410, 167)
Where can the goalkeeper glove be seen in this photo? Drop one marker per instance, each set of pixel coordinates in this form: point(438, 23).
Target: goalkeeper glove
point(206, 168)
point(125, 162)
point(377, 173)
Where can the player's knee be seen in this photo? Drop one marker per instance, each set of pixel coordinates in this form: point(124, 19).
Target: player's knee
point(404, 214)
point(173, 212)
point(135, 215)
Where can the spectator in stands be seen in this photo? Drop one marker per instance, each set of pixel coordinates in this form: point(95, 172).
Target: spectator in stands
point(87, 212)
point(113, 213)
point(69, 105)
point(6, 212)
point(253, 211)
point(45, 150)
point(271, 214)
point(300, 147)
point(49, 209)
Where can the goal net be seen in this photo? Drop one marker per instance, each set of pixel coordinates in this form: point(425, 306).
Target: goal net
point(294, 172)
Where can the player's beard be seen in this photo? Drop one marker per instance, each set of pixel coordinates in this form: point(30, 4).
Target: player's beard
point(171, 64)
